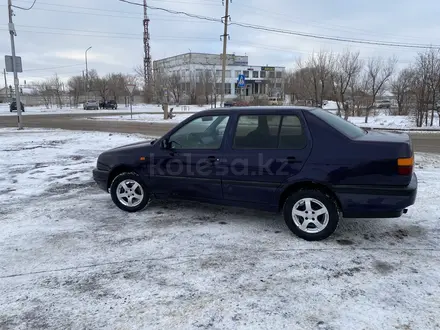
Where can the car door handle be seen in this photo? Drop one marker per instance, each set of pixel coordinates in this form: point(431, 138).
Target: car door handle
point(292, 160)
point(212, 159)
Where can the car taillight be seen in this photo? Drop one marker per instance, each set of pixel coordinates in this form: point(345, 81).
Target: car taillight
point(405, 165)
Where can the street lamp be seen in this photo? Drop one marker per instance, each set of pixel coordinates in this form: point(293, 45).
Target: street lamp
point(87, 74)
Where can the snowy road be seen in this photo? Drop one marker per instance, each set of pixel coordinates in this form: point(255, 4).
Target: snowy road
point(70, 259)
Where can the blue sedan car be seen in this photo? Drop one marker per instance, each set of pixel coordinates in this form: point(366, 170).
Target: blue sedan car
point(307, 163)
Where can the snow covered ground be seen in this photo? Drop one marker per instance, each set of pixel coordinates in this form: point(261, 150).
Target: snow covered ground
point(4, 109)
point(378, 122)
point(394, 122)
point(70, 259)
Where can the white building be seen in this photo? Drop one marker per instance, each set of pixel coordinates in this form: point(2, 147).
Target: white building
point(260, 80)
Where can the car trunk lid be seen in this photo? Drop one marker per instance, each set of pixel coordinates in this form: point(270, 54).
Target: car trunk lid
point(400, 153)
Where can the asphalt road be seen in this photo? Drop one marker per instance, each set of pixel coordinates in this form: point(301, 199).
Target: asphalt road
point(429, 142)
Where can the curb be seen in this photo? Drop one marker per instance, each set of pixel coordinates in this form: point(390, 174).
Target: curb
point(436, 130)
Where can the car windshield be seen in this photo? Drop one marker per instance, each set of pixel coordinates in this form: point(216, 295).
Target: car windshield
point(341, 125)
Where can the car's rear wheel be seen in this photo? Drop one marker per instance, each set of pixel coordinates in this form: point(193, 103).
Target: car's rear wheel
point(129, 192)
point(311, 214)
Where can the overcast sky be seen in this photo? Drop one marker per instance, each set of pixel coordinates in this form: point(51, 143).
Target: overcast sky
point(53, 36)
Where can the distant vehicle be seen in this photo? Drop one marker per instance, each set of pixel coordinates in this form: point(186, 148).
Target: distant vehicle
point(238, 103)
point(311, 165)
point(385, 104)
point(13, 106)
point(275, 101)
point(91, 105)
point(108, 104)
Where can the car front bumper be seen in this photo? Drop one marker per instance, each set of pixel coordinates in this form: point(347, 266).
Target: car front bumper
point(101, 178)
point(376, 201)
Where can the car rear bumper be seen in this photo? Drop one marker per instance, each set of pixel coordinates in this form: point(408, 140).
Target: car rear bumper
point(101, 178)
point(376, 201)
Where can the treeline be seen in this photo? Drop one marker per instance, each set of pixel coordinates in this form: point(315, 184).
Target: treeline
point(78, 88)
point(355, 84)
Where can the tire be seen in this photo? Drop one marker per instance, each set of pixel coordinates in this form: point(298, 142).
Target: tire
point(319, 202)
point(130, 180)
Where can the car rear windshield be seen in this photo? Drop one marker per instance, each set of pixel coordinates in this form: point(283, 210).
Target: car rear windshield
point(341, 125)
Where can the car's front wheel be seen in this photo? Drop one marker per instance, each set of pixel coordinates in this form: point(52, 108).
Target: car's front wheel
point(129, 192)
point(311, 214)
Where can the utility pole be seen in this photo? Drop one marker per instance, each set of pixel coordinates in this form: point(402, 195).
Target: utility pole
point(84, 84)
point(148, 79)
point(6, 82)
point(14, 64)
point(87, 74)
point(225, 41)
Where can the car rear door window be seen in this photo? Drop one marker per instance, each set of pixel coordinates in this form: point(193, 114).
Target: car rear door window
point(341, 125)
point(291, 134)
point(257, 132)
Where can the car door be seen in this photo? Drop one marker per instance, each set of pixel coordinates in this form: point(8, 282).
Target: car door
point(186, 164)
point(265, 152)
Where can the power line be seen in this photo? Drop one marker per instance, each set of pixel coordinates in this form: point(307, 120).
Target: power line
point(132, 36)
point(263, 28)
point(159, 17)
point(54, 67)
point(175, 12)
point(323, 37)
point(125, 36)
point(109, 10)
point(103, 32)
point(295, 33)
point(321, 25)
point(25, 8)
point(235, 42)
point(210, 2)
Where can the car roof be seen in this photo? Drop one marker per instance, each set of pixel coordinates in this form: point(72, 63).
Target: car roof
point(274, 109)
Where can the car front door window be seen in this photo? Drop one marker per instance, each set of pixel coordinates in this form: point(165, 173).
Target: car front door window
point(201, 133)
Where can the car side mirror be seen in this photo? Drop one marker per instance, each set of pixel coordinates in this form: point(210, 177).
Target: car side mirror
point(166, 144)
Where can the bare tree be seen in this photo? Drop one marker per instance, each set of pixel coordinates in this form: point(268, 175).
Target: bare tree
point(324, 65)
point(57, 88)
point(377, 74)
point(93, 80)
point(205, 78)
point(175, 86)
point(45, 92)
point(420, 86)
point(347, 69)
point(75, 85)
point(161, 82)
point(102, 87)
point(304, 82)
point(150, 92)
point(401, 88)
point(314, 79)
point(117, 83)
point(432, 57)
point(289, 85)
